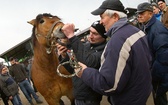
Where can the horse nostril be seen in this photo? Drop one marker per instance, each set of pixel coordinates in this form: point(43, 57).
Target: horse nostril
point(58, 33)
point(60, 29)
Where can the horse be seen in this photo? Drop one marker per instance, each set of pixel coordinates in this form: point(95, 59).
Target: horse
point(45, 34)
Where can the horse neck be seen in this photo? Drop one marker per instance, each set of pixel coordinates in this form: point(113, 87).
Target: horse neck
point(43, 59)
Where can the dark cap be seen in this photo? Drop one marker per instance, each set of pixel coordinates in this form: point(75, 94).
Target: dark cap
point(144, 7)
point(99, 28)
point(154, 4)
point(11, 59)
point(109, 4)
point(161, 0)
point(1, 67)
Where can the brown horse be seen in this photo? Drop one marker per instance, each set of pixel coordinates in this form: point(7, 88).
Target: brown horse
point(45, 60)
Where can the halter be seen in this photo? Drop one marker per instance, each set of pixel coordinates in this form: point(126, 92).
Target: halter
point(58, 34)
point(50, 35)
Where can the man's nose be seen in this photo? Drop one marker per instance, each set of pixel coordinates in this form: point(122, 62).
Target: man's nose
point(91, 35)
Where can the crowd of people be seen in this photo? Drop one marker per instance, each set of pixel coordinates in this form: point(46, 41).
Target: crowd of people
point(15, 78)
point(124, 62)
point(134, 61)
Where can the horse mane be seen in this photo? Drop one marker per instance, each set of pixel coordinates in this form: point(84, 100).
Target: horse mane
point(38, 20)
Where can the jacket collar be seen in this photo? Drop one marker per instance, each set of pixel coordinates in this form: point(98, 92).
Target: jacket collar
point(150, 22)
point(116, 26)
point(165, 9)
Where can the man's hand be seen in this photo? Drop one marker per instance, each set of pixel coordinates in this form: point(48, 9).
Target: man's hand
point(79, 71)
point(68, 30)
point(10, 98)
point(61, 50)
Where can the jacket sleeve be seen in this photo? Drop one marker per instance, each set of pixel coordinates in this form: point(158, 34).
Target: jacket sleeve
point(23, 70)
point(11, 72)
point(104, 81)
point(160, 44)
point(4, 87)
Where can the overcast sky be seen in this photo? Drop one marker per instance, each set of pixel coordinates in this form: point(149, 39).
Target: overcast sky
point(15, 14)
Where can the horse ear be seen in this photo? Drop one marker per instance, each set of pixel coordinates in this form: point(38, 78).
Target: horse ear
point(32, 22)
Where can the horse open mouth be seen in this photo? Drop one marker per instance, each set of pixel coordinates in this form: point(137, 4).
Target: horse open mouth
point(60, 36)
point(62, 41)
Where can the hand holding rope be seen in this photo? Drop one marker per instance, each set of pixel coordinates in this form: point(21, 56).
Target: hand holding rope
point(73, 63)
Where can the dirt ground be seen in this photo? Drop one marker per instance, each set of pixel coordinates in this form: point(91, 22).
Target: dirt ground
point(66, 100)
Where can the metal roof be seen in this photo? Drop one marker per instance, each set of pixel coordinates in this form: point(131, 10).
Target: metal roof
point(18, 51)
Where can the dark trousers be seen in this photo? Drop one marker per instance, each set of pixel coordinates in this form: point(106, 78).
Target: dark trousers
point(4, 98)
point(26, 88)
point(159, 99)
point(34, 86)
point(86, 102)
point(16, 100)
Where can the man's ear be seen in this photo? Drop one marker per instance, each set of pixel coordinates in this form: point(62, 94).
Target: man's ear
point(116, 16)
point(150, 13)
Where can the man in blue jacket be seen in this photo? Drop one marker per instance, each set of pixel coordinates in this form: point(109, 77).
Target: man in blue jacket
point(124, 74)
point(157, 35)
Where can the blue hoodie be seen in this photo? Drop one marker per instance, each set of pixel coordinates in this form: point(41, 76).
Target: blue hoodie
point(158, 16)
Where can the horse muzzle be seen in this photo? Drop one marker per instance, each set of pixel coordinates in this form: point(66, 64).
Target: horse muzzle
point(58, 33)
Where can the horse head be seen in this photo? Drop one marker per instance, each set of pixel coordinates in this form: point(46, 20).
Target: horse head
point(47, 30)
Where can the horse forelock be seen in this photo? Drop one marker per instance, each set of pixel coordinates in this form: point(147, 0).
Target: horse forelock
point(40, 16)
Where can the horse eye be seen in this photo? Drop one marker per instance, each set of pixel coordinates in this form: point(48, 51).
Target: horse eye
point(41, 21)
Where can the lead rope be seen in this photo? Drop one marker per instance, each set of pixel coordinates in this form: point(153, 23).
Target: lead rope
point(73, 63)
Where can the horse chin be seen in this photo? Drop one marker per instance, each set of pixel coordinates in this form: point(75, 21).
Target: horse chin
point(63, 41)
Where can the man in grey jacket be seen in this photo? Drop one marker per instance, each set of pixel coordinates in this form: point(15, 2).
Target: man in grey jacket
point(88, 53)
point(9, 86)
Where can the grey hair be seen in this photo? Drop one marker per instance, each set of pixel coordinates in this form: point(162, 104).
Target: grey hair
point(111, 12)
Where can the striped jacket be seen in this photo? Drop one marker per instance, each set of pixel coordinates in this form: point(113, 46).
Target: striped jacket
point(124, 74)
point(8, 85)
